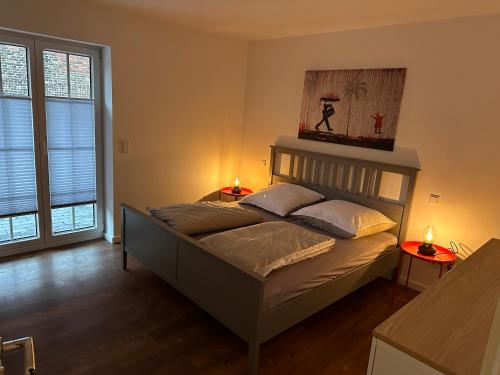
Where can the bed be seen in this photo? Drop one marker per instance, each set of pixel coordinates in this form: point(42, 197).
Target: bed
point(258, 308)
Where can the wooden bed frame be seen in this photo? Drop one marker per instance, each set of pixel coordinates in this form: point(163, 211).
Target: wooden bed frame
point(234, 296)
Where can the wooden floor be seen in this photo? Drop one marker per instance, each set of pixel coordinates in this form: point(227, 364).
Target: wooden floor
point(89, 317)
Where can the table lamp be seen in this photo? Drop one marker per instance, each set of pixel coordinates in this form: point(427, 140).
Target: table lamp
point(426, 247)
point(236, 187)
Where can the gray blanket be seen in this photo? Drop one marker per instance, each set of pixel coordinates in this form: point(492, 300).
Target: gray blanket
point(205, 217)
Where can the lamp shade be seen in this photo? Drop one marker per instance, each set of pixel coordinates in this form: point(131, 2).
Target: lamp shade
point(236, 187)
point(429, 234)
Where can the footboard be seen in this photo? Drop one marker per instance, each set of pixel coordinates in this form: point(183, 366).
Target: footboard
point(230, 294)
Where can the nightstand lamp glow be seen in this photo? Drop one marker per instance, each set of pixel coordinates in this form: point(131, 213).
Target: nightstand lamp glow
point(429, 235)
point(236, 191)
point(236, 187)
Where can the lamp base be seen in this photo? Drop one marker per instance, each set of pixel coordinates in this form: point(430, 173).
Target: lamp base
point(236, 190)
point(427, 249)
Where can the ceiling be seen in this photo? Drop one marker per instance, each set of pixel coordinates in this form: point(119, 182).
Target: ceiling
point(266, 19)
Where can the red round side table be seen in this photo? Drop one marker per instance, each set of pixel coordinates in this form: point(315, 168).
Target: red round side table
point(228, 191)
point(443, 257)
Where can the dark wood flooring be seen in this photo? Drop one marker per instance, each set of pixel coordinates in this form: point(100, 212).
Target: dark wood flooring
point(89, 317)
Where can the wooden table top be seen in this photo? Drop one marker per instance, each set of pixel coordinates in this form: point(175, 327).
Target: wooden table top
point(447, 326)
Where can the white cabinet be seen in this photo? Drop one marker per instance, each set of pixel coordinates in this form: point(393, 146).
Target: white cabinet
point(448, 327)
point(387, 360)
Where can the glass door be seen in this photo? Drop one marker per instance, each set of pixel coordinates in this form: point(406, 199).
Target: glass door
point(50, 143)
point(69, 116)
point(21, 203)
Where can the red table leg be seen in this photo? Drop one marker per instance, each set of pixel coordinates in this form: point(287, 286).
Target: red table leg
point(441, 269)
point(408, 274)
point(396, 276)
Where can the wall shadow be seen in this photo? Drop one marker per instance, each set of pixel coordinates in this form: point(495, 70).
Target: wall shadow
point(401, 155)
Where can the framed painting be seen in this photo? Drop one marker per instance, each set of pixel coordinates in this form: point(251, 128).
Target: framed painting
point(358, 107)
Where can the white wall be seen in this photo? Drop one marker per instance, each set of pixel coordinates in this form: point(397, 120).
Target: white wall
point(449, 122)
point(177, 94)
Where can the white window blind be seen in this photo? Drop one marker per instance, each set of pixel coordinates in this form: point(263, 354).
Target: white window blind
point(70, 123)
point(18, 193)
point(71, 151)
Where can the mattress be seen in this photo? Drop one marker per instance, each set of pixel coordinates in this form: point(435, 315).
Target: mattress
point(299, 278)
point(294, 280)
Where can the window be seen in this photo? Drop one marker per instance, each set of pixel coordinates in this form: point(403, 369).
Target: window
point(73, 218)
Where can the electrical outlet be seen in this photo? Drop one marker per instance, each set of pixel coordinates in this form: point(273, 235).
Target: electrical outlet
point(434, 198)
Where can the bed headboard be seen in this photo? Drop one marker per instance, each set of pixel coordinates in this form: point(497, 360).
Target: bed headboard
point(387, 188)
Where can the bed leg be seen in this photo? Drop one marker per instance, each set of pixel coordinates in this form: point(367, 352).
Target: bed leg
point(124, 260)
point(122, 242)
point(253, 358)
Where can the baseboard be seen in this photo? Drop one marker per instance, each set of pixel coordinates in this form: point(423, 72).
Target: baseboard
point(112, 239)
point(413, 284)
point(50, 245)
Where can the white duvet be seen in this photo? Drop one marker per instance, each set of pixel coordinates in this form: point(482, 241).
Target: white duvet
point(265, 247)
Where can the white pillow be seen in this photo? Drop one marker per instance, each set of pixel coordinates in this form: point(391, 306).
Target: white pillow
point(345, 219)
point(282, 198)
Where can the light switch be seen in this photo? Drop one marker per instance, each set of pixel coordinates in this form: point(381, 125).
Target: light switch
point(434, 198)
point(264, 162)
point(125, 146)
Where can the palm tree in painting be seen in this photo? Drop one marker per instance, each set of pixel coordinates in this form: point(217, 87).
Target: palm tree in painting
point(353, 89)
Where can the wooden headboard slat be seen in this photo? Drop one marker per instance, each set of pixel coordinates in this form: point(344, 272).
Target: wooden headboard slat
point(366, 181)
point(292, 165)
point(376, 189)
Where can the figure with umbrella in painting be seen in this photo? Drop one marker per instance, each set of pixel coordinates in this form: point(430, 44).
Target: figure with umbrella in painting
point(328, 110)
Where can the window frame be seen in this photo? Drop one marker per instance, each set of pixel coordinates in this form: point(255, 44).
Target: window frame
point(12, 247)
point(41, 45)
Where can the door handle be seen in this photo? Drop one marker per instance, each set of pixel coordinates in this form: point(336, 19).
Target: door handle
point(25, 343)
